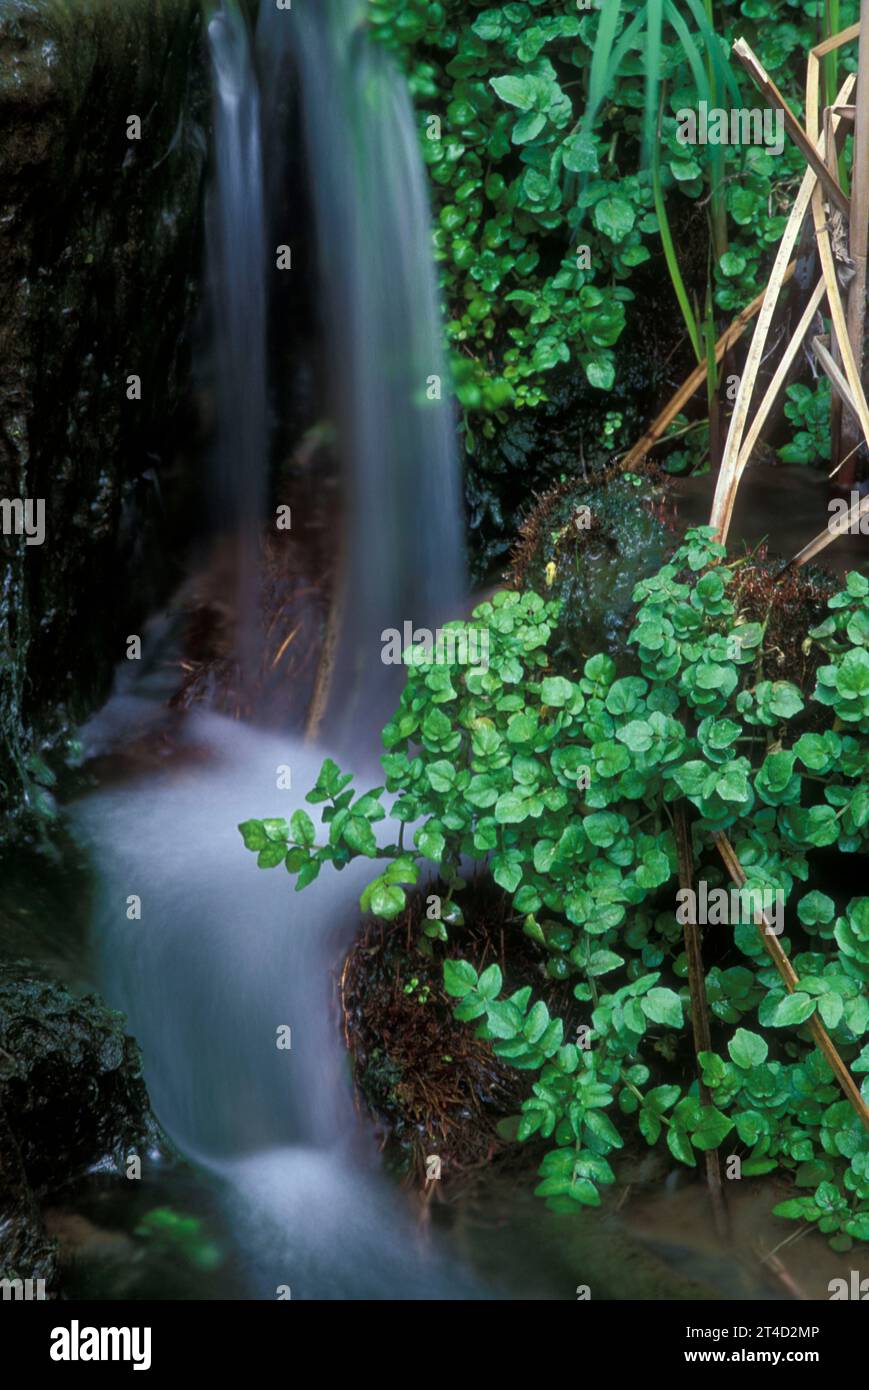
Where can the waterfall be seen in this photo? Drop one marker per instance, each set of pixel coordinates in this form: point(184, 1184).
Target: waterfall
point(402, 550)
point(400, 536)
point(237, 275)
point(236, 251)
point(225, 955)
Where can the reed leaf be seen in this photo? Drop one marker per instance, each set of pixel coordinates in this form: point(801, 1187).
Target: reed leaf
point(654, 36)
point(672, 261)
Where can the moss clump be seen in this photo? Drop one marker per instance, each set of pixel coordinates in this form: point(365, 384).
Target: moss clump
point(587, 545)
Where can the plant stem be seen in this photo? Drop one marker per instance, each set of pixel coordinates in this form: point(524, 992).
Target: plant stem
point(717, 204)
point(791, 981)
point(858, 243)
point(699, 1011)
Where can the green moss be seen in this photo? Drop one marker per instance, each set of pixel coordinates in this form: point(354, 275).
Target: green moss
point(587, 546)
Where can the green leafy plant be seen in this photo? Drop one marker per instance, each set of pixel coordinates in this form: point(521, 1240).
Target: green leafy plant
point(422, 993)
point(544, 203)
point(691, 454)
point(808, 409)
point(566, 788)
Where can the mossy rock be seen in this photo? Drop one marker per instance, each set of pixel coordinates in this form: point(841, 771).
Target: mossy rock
point(72, 1098)
point(588, 545)
point(574, 433)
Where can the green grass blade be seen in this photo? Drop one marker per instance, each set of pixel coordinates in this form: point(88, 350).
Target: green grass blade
point(725, 80)
point(671, 259)
point(691, 51)
point(709, 340)
point(600, 74)
point(654, 31)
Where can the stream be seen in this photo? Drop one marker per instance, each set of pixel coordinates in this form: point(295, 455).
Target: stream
point(273, 1156)
point(223, 958)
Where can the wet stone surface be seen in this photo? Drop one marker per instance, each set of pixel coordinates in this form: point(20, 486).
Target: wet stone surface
point(72, 1098)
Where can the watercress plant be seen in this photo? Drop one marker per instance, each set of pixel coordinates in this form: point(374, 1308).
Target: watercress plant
point(566, 788)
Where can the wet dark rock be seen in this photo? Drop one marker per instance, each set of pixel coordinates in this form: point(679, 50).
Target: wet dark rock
point(26, 1250)
point(587, 546)
point(99, 246)
point(72, 1098)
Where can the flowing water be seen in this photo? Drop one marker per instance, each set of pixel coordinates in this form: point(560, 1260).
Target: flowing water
point(237, 294)
point(237, 276)
point(402, 551)
point(224, 955)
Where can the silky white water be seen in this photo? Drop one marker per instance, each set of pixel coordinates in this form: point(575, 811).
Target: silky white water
point(401, 532)
point(224, 955)
point(236, 274)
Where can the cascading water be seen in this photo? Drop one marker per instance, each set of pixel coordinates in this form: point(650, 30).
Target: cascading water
point(224, 956)
point(219, 962)
point(403, 553)
point(237, 275)
point(237, 292)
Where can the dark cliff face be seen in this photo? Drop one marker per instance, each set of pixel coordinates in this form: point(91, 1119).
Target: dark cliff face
point(99, 256)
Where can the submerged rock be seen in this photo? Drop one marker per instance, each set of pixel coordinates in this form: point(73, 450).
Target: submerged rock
point(72, 1098)
point(99, 239)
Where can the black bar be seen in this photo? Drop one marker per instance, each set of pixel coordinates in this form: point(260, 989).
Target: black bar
point(259, 1338)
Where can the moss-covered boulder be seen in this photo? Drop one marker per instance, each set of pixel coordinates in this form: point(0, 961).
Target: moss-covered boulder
point(99, 242)
point(71, 1097)
point(588, 545)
